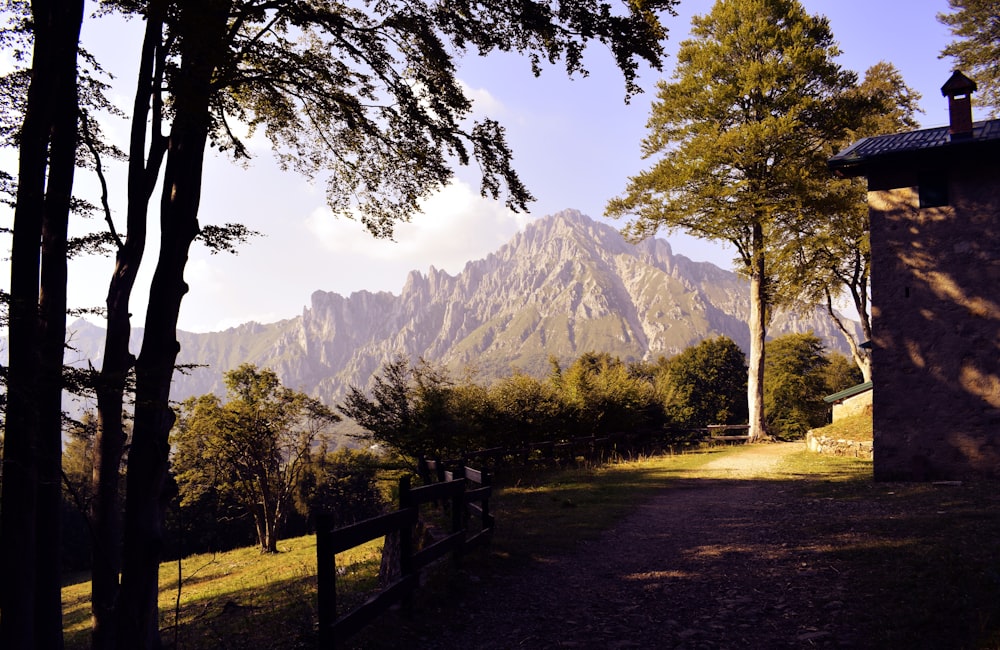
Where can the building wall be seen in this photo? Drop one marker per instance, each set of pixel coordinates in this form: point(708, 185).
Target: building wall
point(852, 405)
point(936, 323)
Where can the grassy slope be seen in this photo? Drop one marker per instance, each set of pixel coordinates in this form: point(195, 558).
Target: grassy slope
point(855, 427)
point(238, 599)
point(934, 558)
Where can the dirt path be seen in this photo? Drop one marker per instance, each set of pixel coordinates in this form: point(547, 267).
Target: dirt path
point(753, 460)
point(719, 561)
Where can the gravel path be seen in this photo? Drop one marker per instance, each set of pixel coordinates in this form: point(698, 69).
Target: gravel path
point(721, 561)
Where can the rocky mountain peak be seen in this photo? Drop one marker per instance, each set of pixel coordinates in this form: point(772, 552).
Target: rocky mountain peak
point(564, 285)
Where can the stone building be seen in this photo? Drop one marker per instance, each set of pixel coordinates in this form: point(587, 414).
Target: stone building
point(850, 401)
point(934, 205)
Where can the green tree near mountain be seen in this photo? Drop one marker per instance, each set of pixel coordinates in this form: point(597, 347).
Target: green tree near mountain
point(602, 394)
point(253, 448)
point(795, 384)
point(398, 414)
point(522, 409)
point(740, 138)
point(828, 254)
point(416, 410)
point(975, 24)
point(705, 384)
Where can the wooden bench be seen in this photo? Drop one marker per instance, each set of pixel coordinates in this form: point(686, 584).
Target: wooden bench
point(718, 432)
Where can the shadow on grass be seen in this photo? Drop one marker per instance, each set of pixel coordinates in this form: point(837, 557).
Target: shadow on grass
point(816, 552)
point(810, 558)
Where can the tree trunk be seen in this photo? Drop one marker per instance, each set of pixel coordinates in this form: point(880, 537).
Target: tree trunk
point(148, 482)
point(118, 361)
point(267, 516)
point(52, 311)
point(20, 472)
point(758, 332)
point(861, 359)
point(259, 523)
point(272, 535)
point(30, 594)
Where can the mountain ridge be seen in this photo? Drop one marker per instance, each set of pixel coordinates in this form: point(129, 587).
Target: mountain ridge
point(564, 285)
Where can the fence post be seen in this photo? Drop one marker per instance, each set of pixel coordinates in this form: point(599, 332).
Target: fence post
point(423, 470)
point(326, 580)
point(405, 538)
point(458, 510)
point(485, 503)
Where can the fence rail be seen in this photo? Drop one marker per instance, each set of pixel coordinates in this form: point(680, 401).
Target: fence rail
point(465, 492)
point(461, 499)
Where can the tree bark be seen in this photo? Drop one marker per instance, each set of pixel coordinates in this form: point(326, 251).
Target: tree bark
point(118, 361)
point(758, 333)
point(149, 486)
point(862, 360)
point(52, 310)
point(30, 596)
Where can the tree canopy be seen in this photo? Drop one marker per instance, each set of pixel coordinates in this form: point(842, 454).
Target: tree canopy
point(706, 384)
point(828, 255)
point(253, 447)
point(740, 141)
point(976, 48)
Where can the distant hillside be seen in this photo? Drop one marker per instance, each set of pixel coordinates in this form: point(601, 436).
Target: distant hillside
point(564, 286)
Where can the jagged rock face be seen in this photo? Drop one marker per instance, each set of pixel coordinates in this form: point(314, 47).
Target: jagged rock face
point(564, 286)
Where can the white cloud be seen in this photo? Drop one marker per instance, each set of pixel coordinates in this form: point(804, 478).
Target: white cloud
point(456, 226)
point(483, 102)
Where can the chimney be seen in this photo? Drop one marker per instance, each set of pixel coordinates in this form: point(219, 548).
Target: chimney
point(958, 89)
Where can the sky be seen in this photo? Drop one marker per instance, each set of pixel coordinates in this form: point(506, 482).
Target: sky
point(575, 141)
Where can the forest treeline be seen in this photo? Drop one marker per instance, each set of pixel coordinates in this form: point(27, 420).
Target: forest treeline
point(254, 466)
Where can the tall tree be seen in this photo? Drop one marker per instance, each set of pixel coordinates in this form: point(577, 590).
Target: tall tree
point(389, 415)
point(976, 48)
point(739, 134)
point(147, 147)
point(795, 385)
point(30, 597)
point(256, 446)
point(705, 384)
point(829, 255)
point(365, 93)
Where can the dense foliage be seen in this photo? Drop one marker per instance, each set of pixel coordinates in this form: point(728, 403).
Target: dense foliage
point(250, 451)
point(976, 48)
point(706, 384)
point(417, 410)
point(798, 376)
point(740, 139)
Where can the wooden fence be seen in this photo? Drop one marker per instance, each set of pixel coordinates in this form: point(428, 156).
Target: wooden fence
point(462, 490)
point(588, 448)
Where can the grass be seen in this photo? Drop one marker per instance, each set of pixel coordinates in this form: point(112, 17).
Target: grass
point(239, 599)
point(547, 511)
point(854, 427)
point(924, 558)
point(243, 599)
